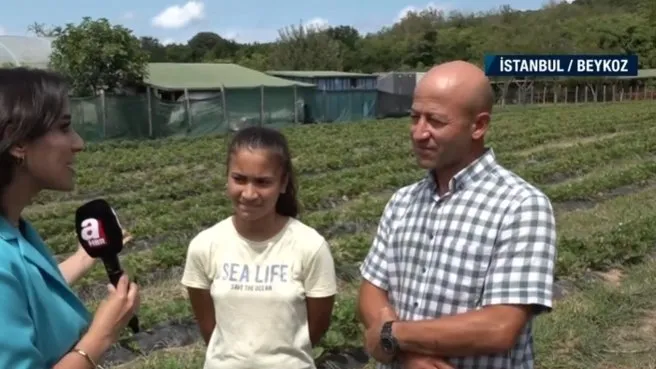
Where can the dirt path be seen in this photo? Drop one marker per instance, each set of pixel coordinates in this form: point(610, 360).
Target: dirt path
point(633, 345)
point(569, 142)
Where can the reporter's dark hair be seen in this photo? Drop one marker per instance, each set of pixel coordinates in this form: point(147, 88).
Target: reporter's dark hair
point(275, 142)
point(31, 102)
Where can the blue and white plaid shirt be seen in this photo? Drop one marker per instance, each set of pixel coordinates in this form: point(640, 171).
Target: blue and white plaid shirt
point(490, 240)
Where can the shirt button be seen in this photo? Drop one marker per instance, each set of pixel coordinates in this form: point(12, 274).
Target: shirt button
point(423, 270)
point(416, 304)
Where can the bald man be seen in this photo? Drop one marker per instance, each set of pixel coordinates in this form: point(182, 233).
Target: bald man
point(463, 259)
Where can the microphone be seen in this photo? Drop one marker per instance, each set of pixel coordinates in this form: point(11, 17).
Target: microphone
point(100, 234)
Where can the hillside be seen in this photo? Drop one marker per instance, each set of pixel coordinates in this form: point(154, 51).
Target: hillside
point(419, 40)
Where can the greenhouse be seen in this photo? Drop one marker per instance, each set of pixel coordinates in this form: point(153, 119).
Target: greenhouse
point(33, 52)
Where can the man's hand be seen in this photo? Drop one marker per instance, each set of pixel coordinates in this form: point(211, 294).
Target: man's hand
point(417, 361)
point(372, 335)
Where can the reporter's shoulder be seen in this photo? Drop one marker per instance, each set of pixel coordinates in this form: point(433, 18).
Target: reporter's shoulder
point(10, 260)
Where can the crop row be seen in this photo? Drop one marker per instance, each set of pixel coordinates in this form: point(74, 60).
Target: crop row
point(511, 131)
point(349, 227)
point(625, 243)
point(189, 181)
point(183, 205)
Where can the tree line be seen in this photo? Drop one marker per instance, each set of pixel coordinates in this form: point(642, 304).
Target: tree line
point(428, 37)
point(420, 40)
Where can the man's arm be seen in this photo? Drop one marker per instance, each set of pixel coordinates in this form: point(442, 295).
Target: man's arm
point(373, 295)
point(518, 286)
point(491, 330)
point(371, 301)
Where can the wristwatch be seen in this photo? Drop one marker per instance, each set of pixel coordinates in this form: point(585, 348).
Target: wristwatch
point(388, 342)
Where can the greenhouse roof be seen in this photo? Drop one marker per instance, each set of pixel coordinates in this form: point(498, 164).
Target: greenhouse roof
point(26, 51)
point(211, 76)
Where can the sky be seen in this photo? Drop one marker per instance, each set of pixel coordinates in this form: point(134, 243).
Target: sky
point(240, 20)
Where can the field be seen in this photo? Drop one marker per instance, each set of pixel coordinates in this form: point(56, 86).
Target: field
point(596, 163)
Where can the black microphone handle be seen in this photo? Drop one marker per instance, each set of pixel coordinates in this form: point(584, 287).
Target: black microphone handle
point(114, 272)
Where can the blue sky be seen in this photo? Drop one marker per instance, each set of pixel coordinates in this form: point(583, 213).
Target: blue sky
point(242, 20)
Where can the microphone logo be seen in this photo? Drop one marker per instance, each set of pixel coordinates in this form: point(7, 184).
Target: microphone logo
point(93, 232)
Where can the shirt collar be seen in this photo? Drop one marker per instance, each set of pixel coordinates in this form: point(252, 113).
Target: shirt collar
point(7, 231)
point(469, 175)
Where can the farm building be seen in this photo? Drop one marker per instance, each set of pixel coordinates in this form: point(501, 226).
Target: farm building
point(202, 97)
point(195, 99)
point(339, 96)
point(395, 91)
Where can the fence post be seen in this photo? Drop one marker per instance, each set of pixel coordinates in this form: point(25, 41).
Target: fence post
point(325, 105)
point(261, 105)
point(103, 109)
point(225, 106)
point(150, 112)
point(566, 94)
point(188, 109)
point(295, 109)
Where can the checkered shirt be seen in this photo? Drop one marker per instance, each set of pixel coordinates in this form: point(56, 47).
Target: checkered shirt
point(490, 240)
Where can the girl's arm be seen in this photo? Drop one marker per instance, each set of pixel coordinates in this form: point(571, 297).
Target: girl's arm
point(320, 291)
point(203, 308)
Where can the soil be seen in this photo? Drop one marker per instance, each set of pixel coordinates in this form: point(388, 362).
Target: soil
point(185, 332)
point(99, 290)
point(612, 277)
point(573, 205)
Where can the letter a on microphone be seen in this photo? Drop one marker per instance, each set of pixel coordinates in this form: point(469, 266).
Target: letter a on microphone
point(93, 232)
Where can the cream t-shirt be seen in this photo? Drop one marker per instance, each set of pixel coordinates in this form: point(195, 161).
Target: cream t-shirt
point(259, 291)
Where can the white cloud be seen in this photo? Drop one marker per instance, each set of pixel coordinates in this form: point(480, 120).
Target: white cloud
point(128, 15)
point(3, 31)
point(416, 9)
point(249, 35)
point(167, 41)
point(317, 23)
point(177, 16)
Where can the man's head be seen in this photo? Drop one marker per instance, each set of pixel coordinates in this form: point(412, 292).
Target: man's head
point(451, 110)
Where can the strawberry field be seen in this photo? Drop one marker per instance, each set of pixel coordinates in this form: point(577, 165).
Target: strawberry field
point(596, 163)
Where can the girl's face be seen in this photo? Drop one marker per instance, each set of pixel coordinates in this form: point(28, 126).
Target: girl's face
point(255, 182)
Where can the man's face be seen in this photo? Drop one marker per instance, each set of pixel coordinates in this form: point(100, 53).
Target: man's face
point(440, 131)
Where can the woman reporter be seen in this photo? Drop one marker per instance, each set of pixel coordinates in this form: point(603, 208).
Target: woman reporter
point(45, 325)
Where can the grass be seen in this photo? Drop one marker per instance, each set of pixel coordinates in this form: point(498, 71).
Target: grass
point(596, 162)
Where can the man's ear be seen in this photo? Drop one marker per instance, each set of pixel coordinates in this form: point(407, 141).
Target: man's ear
point(480, 125)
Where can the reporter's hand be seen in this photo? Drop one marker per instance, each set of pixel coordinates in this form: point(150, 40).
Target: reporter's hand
point(417, 361)
point(114, 313)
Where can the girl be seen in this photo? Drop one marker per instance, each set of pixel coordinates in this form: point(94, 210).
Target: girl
point(44, 324)
point(261, 283)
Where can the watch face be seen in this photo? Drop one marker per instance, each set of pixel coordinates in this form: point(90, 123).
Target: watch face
point(387, 344)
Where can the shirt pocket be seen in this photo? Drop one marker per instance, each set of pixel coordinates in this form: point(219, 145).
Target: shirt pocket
point(459, 267)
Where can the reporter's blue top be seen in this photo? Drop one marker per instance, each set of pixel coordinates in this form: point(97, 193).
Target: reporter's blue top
point(41, 318)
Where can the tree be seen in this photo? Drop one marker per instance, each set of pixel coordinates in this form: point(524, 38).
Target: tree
point(41, 30)
point(208, 46)
point(96, 55)
point(155, 50)
point(305, 48)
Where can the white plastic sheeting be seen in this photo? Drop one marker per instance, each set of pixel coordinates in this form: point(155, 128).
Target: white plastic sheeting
point(25, 51)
